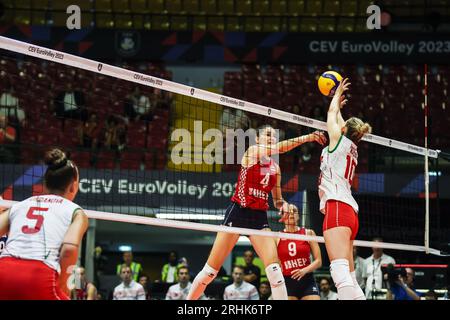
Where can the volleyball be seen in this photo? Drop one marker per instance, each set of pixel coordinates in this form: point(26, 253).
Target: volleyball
point(328, 82)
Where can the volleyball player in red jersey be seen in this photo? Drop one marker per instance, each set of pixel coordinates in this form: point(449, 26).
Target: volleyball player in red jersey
point(295, 260)
point(45, 232)
point(338, 165)
point(259, 175)
point(83, 289)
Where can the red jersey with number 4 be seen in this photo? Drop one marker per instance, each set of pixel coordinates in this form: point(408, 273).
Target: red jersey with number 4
point(37, 229)
point(337, 170)
point(254, 185)
point(294, 254)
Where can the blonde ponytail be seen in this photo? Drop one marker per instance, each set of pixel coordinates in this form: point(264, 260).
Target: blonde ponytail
point(356, 129)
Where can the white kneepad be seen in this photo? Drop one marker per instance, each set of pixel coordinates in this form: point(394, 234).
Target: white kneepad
point(274, 275)
point(207, 275)
point(340, 272)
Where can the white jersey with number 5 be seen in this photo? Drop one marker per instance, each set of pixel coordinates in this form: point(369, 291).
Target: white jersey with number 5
point(337, 170)
point(37, 228)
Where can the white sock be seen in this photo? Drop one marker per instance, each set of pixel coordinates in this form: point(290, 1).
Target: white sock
point(359, 294)
point(276, 279)
point(340, 272)
point(203, 278)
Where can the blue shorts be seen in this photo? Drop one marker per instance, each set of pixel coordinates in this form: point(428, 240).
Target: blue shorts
point(306, 286)
point(239, 217)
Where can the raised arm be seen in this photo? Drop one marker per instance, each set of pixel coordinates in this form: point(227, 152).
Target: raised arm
point(288, 145)
point(335, 122)
point(256, 152)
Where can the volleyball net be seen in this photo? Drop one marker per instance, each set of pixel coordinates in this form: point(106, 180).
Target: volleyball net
point(156, 152)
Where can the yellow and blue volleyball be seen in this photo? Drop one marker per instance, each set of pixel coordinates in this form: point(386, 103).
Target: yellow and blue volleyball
point(328, 83)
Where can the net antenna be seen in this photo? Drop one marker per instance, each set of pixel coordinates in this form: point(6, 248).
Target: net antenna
point(426, 169)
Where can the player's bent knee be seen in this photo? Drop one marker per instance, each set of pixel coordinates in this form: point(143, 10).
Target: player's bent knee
point(340, 272)
point(274, 275)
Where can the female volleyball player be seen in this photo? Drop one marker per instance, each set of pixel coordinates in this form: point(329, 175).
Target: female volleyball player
point(44, 234)
point(258, 176)
point(295, 260)
point(338, 164)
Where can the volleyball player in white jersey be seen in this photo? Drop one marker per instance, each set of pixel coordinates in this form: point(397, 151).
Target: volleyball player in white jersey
point(44, 235)
point(338, 164)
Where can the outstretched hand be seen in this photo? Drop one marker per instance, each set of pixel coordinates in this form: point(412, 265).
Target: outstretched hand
point(343, 86)
point(319, 137)
point(343, 102)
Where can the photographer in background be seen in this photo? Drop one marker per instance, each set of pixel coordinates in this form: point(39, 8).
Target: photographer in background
point(399, 284)
point(372, 271)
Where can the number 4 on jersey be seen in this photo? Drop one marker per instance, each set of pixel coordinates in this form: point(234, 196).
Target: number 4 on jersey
point(265, 180)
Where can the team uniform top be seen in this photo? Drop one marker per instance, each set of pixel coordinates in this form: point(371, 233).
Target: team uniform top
point(254, 185)
point(294, 254)
point(37, 229)
point(337, 169)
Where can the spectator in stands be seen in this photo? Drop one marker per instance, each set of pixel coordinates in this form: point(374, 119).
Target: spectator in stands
point(89, 132)
point(128, 289)
point(143, 281)
point(431, 295)
point(240, 289)
point(9, 107)
point(325, 290)
point(402, 288)
point(138, 106)
point(115, 134)
point(83, 289)
point(264, 291)
point(180, 290)
point(372, 270)
point(71, 104)
point(100, 263)
point(169, 272)
point(135, 267)
point(359, 268)
point(7, 137)
point(252, 273)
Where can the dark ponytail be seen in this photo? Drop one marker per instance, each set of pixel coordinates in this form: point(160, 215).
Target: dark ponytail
point(61, 171)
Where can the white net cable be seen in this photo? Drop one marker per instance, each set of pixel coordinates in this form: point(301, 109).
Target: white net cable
point(116, 217)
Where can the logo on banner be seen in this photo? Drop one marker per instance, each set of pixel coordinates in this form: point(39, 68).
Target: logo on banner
point(128, 43)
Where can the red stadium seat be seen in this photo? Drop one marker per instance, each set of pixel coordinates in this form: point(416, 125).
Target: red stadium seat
point(81, 158)
point(150, 160)
point(131, 160)
point(106, 160)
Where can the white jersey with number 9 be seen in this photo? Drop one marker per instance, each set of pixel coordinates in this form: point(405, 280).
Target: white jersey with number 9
point(337, 171)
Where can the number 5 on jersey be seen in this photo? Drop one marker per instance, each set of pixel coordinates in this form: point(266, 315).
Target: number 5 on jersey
point(32, 216)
